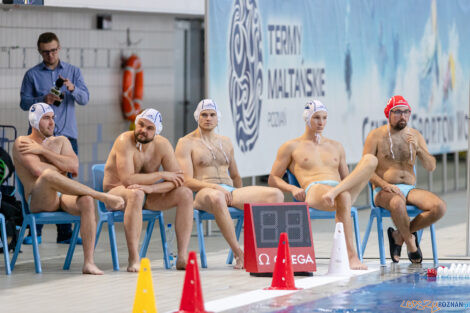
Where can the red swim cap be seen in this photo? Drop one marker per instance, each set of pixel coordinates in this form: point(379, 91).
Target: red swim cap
point(395, 101)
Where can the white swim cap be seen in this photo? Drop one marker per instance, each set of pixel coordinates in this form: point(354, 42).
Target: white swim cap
point(153, 116)
point(36, 111)
point(206, 104)
point(311, 108)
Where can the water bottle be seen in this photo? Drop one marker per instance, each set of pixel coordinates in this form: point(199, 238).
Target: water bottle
point(170, 239)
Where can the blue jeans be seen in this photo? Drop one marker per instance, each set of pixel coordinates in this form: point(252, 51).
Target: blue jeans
point(64, 231)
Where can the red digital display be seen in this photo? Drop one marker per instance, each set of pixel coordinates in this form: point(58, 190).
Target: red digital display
point(263, 225)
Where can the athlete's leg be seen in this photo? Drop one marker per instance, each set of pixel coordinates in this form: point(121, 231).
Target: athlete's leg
point(182, 199)
point(85, 207)
point(342, 205)
point(396, 204)
point(134, 200)
point(256, 194)
point(54, 181)
point(213, 201)
point(355, 181)
point(433, 208)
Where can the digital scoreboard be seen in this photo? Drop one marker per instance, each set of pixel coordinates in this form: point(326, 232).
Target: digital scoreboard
point(263, 225)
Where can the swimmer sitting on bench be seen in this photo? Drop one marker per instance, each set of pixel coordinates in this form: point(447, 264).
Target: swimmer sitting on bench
point(133, 172)
point(319, 164)
point(210, 170)
point(42, 161)
point(397, 146)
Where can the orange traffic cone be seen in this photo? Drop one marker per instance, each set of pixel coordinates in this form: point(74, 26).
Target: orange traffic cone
point(191, 299)
point(283, 275)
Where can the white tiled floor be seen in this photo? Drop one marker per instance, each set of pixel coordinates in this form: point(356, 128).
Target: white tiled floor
point(56, 290)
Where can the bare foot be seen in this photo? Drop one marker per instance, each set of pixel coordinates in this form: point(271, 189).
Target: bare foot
point(181, 263)
point(416, 256)
point(396, 242)
point(133, 268)
point(356, 264)
point(113, 202)
point(238, 262)
point(329, 198)
point(134, 265)
point(398, 238)
point(411, 244)
point(92, 269)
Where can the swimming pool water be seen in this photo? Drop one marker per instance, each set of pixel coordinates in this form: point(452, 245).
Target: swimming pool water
point(410, 293)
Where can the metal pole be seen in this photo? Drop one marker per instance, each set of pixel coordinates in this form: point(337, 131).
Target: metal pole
point(468, 195)
point(430, 181)
point(456, 168)
point(444, 172)
point(206, 50)
point(468, 177)
point(208, 228)
point(253, 180)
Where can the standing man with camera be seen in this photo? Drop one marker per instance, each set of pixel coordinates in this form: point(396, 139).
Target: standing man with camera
point(60, 85)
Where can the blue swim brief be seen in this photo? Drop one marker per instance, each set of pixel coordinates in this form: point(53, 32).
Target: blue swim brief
point(59, 194)
point(228, 187)
point(404, 188)
point(332, 183)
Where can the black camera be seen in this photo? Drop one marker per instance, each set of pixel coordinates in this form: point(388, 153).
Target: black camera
point(55, 90)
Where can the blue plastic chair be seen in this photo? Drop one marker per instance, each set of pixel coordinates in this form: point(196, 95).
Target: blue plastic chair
point(319, 214)
point(7, 138)
point(379, 213)
point(3, 232)
point(200, 215)
point(112, 217)
point(32, 219)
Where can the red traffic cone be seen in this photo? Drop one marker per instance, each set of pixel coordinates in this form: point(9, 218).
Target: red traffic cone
point(191, 299)
point(283, 275)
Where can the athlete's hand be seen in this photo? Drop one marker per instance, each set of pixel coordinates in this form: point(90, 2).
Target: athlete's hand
point(228, 195)
point(145, 188)
point(29, 146)
point(393, 189)
point(177, 178)
point(412, 140)
point(299, 194)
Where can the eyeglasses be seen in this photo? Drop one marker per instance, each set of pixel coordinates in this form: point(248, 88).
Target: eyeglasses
point(52, 51)
point(400, 112)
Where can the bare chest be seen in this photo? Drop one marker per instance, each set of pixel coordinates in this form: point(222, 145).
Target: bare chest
point(146, 162)
point(396, 148)
point(206, 155)
point(308, 156)
point(54, 145)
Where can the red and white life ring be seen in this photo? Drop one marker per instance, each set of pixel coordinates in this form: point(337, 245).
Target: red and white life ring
point(132, 88)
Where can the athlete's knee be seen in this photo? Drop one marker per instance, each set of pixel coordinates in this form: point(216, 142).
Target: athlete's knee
point(275, 195)
point(371, 160)
point(48, 175)
point(216, 199)
point(85, 204)
point(439, 209)
point(135, 196)
point(184, 194)
point(397, 204)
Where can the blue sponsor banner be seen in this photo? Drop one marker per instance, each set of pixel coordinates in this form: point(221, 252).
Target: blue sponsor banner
point(267, 58)
point(30, 2)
